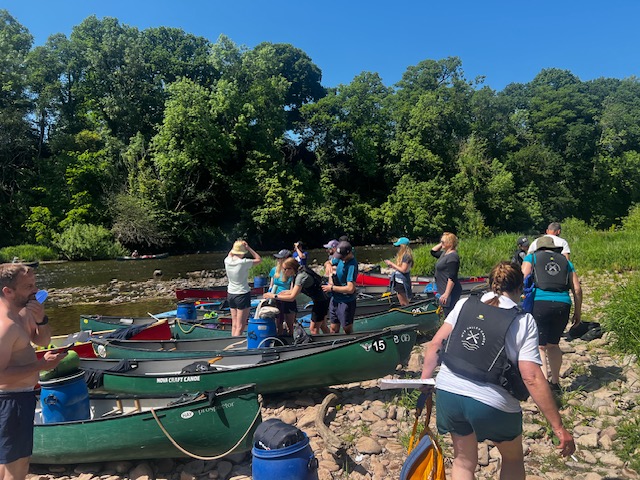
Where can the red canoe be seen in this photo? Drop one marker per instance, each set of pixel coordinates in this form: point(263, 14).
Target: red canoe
point(81, 344)
point(210, 293)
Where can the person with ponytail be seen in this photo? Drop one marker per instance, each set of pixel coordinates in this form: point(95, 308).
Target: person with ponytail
point(480, 339)
point(400, 281)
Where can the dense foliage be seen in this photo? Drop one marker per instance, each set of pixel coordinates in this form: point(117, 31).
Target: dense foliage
point(170, 141)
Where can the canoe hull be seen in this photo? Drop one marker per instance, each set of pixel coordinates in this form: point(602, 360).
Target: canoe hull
point(199, 427)
point(372, 356)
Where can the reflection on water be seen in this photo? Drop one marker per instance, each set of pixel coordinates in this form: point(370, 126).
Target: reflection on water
point(65, 320)
point(82, 274)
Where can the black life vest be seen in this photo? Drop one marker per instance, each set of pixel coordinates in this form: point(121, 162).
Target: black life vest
point(476, 347)
point(315, 291)
point(551, 271)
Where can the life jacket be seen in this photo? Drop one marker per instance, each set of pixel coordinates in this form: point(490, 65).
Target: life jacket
point(315, 291)
point(551, 271)
point(476, 347)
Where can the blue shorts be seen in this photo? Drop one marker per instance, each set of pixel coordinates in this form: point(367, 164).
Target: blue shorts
point(342, 313)
point(241, 301)
point(17, 410)
point(463, 416)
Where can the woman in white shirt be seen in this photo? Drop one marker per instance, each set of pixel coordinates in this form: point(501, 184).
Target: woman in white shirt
point(472, 410)
point(238, 290)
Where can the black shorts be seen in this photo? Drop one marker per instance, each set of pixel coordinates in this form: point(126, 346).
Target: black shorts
point(552, 319)
point(287, 307)
point(17, 411)
point(319, 310)
point(342, 313)
point(241, 301)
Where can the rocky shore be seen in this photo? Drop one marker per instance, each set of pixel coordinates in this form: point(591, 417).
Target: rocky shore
point(369, 428)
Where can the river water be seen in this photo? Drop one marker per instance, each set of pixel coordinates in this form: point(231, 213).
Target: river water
point(83, 274)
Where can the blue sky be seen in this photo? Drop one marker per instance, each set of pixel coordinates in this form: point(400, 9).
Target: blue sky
point(504, 41)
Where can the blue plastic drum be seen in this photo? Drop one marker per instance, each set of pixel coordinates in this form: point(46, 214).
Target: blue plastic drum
point(186, 311)
point(296, 462)
point(260, 331)
point(65, 399)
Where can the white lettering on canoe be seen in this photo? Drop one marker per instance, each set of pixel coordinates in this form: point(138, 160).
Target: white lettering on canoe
point(192, 378)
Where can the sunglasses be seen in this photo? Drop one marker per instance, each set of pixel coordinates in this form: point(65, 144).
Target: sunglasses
point(288, 268)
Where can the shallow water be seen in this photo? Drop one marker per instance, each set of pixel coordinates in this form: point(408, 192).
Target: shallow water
point(66, 319)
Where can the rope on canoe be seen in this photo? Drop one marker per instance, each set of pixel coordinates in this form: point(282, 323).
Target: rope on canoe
point(413, 312)
point(186, 332)
point(198, 457)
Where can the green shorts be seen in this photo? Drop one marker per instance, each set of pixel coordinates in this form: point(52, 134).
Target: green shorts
point(463, 416)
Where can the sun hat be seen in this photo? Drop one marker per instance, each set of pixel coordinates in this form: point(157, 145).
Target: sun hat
point(331, 244)
point(239, 248)
point(343, 249)
point(523, 241)
point(284, 253)
point(547, 243)
point(401, 241)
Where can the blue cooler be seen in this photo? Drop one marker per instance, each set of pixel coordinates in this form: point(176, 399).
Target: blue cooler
point(187, 311)
point(259, 330)
point(65, 399)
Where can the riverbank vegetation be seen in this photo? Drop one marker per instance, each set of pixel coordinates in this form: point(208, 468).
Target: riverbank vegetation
point(173, 142)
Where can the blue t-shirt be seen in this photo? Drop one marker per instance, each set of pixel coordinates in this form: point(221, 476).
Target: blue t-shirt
point(546, 296)
point(300, 260)
point(279, 282)
point(346, 272)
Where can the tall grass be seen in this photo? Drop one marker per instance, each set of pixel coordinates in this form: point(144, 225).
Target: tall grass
point(27, 253)
point(621, 316)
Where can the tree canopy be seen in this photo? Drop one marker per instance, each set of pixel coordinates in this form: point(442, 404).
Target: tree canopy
point(169, 140)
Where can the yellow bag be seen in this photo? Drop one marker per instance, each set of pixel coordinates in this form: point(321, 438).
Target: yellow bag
point(425, 460)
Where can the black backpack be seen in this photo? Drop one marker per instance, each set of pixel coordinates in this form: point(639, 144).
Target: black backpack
point(274, 433)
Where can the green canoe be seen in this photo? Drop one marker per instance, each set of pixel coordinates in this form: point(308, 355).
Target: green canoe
point(424, 314)
point(211, 347)
point(130, 428)
point(179, 328)
point(345, 360)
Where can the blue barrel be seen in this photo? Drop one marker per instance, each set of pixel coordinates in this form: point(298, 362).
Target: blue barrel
point(65, 399)
point(260, 282)
point(296, 462)
point(186, 311)
point(259, 330)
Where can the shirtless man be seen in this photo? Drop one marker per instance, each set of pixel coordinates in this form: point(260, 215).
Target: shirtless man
point(22, 321)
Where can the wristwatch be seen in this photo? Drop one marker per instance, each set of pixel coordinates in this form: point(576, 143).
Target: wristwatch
point(275, 296)
point(45, 320)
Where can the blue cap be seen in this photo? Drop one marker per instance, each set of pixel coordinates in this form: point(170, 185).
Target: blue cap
point(401, 241)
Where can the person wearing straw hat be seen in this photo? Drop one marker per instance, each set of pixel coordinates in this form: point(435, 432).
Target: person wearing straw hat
point(238, 290)
point(400, 280)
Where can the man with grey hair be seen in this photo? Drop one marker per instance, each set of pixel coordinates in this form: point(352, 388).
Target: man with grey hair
point(553, 231)
point(22, 321)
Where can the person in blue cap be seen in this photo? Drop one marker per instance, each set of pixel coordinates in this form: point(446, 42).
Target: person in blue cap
point(400, 280)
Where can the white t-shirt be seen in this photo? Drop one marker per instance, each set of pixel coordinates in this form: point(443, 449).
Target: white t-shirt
point(557, 241)
point(521, 343)
point(238, 274)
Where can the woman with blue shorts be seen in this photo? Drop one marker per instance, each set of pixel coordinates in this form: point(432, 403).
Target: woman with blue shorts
point(472, 410)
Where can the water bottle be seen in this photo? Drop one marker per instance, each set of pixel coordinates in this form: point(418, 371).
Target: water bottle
point(41, 296)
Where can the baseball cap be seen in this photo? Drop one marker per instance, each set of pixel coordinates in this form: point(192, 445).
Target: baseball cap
point(342, 250)
point(401, 241)
point(331, 244)
point(523, 241)
point(284, 253)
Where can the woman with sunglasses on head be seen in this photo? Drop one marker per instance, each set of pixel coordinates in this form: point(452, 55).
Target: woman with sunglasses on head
point(446, 271)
